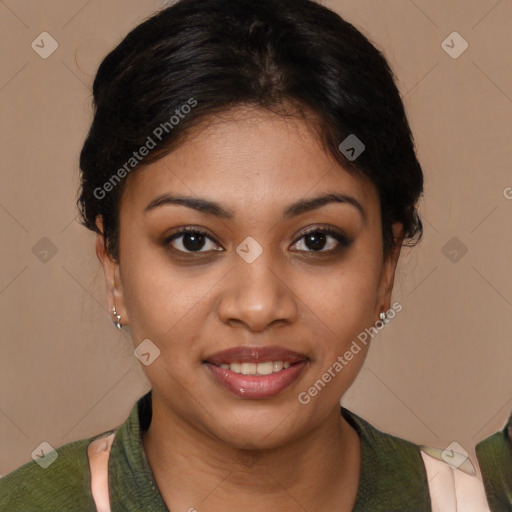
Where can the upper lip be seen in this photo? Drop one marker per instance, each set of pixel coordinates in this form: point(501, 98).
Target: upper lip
point(245, 354)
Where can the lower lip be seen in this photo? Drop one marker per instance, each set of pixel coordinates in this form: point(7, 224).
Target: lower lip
point(256, 386)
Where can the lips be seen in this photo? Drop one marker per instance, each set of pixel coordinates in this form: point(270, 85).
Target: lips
point(255, 355)
point(256, 386)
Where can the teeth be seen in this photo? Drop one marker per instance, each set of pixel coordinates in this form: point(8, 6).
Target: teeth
point(277, 366)
point(248, 368)
point(266, 368)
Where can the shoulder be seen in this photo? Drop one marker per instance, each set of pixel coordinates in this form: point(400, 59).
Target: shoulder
point(59, 482)
point(393, 475)
point(385, 449)
point(498, 446)
point(495, 459)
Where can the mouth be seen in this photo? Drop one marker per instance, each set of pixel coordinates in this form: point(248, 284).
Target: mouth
point(266, 368)
point(256, 372)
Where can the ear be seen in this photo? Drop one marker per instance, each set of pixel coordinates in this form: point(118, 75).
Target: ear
point(115, 296)
point(387, 278)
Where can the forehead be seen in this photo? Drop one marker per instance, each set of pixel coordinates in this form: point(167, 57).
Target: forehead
point(249, 156)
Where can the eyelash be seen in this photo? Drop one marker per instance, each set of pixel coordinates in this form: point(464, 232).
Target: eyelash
point(343, 241)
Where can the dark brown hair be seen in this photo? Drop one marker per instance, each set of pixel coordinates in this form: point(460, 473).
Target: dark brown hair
point(218, 54)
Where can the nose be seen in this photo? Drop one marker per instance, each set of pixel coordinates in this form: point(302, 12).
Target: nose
point(258, 295)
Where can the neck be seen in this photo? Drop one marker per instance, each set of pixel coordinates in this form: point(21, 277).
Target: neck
point(319, 471)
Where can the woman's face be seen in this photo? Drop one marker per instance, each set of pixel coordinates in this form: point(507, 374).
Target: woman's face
point(252, 280)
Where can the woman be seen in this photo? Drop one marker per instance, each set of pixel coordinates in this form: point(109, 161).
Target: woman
point(251, 177)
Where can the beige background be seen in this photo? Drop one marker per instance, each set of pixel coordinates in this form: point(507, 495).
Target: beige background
point(440, 372)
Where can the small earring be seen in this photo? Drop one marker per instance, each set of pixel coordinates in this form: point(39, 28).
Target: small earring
point(384, 318)
point(117, 321)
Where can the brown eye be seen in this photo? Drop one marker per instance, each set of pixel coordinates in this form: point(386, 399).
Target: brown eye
point(190, 240)
point(323, 240)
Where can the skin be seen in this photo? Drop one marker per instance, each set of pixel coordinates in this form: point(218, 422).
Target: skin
point(208, 448)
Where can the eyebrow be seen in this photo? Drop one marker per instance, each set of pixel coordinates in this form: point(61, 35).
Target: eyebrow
point(213, 208)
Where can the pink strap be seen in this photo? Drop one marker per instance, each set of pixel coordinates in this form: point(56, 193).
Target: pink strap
point(451, 489)
point(440, 484)
point(98, 452)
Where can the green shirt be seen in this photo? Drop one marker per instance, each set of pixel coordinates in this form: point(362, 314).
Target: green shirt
point(495, 460)
point(393, 476)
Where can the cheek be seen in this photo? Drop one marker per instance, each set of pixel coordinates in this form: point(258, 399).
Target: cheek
point(339, 309)
point(344, 298)
point(164, 301)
